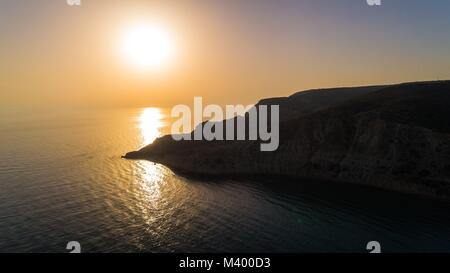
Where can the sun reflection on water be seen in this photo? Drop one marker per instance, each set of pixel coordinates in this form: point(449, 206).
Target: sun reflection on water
point(150, 124)
point(150, 176)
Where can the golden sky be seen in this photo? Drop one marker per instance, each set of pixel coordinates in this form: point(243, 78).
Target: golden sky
point(226, 51)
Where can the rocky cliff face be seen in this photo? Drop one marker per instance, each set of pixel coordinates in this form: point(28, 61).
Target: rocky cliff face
point(395, 137)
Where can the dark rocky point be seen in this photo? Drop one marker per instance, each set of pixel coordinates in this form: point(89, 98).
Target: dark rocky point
point(395, 137)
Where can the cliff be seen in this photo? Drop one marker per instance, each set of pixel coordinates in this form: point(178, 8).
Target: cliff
point(395, 137)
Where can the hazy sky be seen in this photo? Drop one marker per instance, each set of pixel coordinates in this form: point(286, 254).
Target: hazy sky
point(233, 51)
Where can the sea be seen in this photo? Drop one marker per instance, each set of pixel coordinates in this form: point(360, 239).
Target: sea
point(62, 179)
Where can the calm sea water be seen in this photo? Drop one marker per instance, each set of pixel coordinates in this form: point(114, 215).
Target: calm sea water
point(62, 179)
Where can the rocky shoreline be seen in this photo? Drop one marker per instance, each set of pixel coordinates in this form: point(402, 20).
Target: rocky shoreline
point(393, 137)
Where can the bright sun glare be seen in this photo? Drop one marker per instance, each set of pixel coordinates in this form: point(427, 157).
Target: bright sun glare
point(150, 123)
point(147, 46)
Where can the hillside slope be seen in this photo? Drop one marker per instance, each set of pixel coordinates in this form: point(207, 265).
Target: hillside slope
point(395, 137)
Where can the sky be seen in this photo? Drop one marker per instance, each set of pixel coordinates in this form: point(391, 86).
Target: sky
point(228, 52)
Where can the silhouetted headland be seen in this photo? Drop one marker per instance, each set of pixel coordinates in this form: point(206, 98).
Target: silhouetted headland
point(395, 137)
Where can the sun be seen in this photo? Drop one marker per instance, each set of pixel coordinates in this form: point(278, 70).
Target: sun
point(147, 46)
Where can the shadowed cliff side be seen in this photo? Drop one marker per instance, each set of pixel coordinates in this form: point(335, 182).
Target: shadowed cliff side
point(395, 137)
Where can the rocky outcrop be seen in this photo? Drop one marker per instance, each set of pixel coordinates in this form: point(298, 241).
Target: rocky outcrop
point(394, 137)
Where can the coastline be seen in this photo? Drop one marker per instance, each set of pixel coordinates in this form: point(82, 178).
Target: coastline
point(392, 137)
point(389, 187)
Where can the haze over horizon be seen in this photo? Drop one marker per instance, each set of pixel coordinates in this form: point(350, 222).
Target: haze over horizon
point(229, 52)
